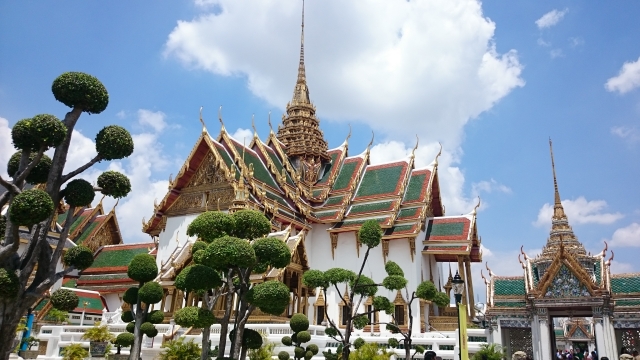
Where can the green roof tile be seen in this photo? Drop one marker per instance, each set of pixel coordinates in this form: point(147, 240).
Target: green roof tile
point(380, 180)
point(344, 176)
point(414, 190)
point(625, 284)
point(41, 304)
point(85, 234)
point(445, 228)
point(510, 304)
point(103, 277)
point(632, 302)
point(118, 257)
point(92, 303)
point(62, 217)
point(361, 221)
point(327, 174)
point(408, 213)
point(77, 223)
point(260, 172)
point(334, 200)
point(559, 332)
point(278, 164)
point(227, 158)
point(598, 270)
point(371, 207)
point(509, 286)
point(70, 283)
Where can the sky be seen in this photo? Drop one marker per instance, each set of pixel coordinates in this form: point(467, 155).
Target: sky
point(490, 81)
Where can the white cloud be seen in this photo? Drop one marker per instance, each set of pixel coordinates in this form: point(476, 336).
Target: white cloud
point(628, 78)
point(579, 211)
point(243, 136)
point(621, 268)
point(576, 41)
point(6, 149)
point(551, 18)
point(556, 53)
point(121, 114)
point(544, 43)
point(395, 66)
point(152, 119)
point(489, 187)
point(630, 134)
point(628, 236)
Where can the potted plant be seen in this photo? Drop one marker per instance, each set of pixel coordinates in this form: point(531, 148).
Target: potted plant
point(29, 354)
point(74, 352)
point(123, 340)
point(57, 316)
point(99, 337)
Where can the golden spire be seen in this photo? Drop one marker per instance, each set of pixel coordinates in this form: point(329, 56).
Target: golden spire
point(558, 210)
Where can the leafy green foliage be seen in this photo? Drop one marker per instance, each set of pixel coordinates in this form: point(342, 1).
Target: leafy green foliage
point(283, 355)
point(131, 295)
point(152, 333)
point(251, 339)
point(359, 322)
point(131, 327)
point(78, 192)
point(114, 184)
point(394, 282)
point(211, 225)
point(272, 251)
point(198, 245)
point(143, 268)
point(271, 297)
point(366, 286)
point(114, 142)
point(250, 224)
point(394, 329)
point(30, 341)
point(155, 317)
point(265, 352)
point(381, 303)
point(3, 226)
point(331, 331)
point(393, 343)
point(22, 136)
point(151, 293)
point(370, 351)
point(80, 90)
point(426, 290)
point(38, 174)
point(9, 284)
point(57, 316)
point(127, 316)
point(357, 344)
point(286, 341)
point(299, 352)
point(30, 207)
point(229, 252)
point(303, 337)
point(98, 333)
point(74, 352)
point(393, 268)
point(441, 299)
point(180, 350)
point(64, 299)
point(420, 349)
point(193, 316)
point(124, 339)
point(313, 348)
point(489, 352)
point(339, 275)
point(370, 233)
point(147, 327)
point(42, 130)
point(315, 279)
point(299, 322)
point(197, 277)
point(80, 257)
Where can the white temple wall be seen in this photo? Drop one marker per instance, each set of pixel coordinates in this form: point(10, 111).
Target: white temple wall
point(114, 301)
point(176, 226)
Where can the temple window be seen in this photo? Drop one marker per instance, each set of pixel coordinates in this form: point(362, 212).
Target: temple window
point(400, 310)
point(399, 315)
point(319, 315)
point(345, 313)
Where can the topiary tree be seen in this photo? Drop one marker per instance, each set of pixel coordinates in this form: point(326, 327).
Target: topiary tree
point(144, 270)
point(360, 287)
point(64, 299)
point(229, 250)
point(37, 208)
point(299, 324)
point(123, 340)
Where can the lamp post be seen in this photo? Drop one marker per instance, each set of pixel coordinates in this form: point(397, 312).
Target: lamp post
point(458, 288)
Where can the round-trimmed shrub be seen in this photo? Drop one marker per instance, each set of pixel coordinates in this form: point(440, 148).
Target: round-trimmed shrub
point(38, 174)
point(313, 348)
point(48, 130)
point(124, 339)
point(271, 297)
point(198, 245)
point(366, 286)
point(303, 337)
point(114, 184)
point(151, 293)
point(143, 268)
point(114, 142)
point(370, 233)
point(308, 355)
point(250, 224)
point(420, 349)
point(197, 277)
point(251, 339)
point(79, 192)
point(393, 342)
point(64, 299)
point(9, 284)
point(131, 295)
point(299, 322)
point(80, 257)
point(299, 352)
point(441, 299)
point(211, 225)
point(146, 327)
point(127, 316)
point(193, 316)
point(426, 290)
point(394, 282)
point(357, 344)
point(286, 341)
point(23, 137)
point(331, 331)
point(339, 275)
point(30, 207)
point(131, 327)
point(272, 251)
point(382, 303)
point(283, 355)
point(392, 328)
point(315, 279)
point(393, 268)
point(228, 252)
point(152, 333)
point(359, 322)
point(76, 89)
point(155, 317)
point(199, 257)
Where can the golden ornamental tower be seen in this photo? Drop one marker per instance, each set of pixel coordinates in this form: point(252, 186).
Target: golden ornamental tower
point(300, 129)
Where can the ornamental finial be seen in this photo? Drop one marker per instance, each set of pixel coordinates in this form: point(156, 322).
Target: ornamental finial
point(413, 152)
point(349, 135)
point(269, 121)
point(373, 136)
point(204, 127)
point(555, 181)
point(438, 155)
point(253, 125)
point(220, 117)
point(475, 209)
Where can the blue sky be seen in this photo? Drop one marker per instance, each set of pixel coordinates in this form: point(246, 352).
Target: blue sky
point(491, 82)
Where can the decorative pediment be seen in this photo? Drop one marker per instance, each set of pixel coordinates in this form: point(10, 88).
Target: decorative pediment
point(565, 284)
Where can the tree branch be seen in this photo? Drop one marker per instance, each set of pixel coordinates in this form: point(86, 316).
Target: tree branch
point(62, 239)
point(10, 249)
point(10, 187)
point(21, 175)
point(82, 168)
point(52, 280)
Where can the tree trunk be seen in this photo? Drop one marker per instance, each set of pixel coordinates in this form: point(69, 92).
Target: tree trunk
point(206, 332)
point(8, 324)
point(224, 324)
point(346, 346)
point(243, 354)
point(141, 314)
point(407, 348)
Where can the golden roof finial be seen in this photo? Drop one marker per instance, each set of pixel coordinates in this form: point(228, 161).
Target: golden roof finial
point(204, 127)
point(301, 72)
point(220, 118)
point(348, 135)
point(475, 209)
point(438, 155)
point(253, 125)
point(177, 240)
point(555, 181)
point(413, 152)
point(373, 136)
point(218, 204)
point(269, 121)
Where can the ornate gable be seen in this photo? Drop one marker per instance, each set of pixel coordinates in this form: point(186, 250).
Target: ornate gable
point(565, 284)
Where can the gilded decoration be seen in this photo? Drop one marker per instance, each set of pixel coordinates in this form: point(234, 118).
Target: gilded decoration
point(334, 244)
point(101, 238)
point(385, 249)
point(566, 284)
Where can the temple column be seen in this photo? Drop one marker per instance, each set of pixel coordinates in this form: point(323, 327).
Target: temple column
point(545, 337)
point(299, 292)
point(535, 338)
point(461, 272)
point(472, 305)
point(600, 338)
